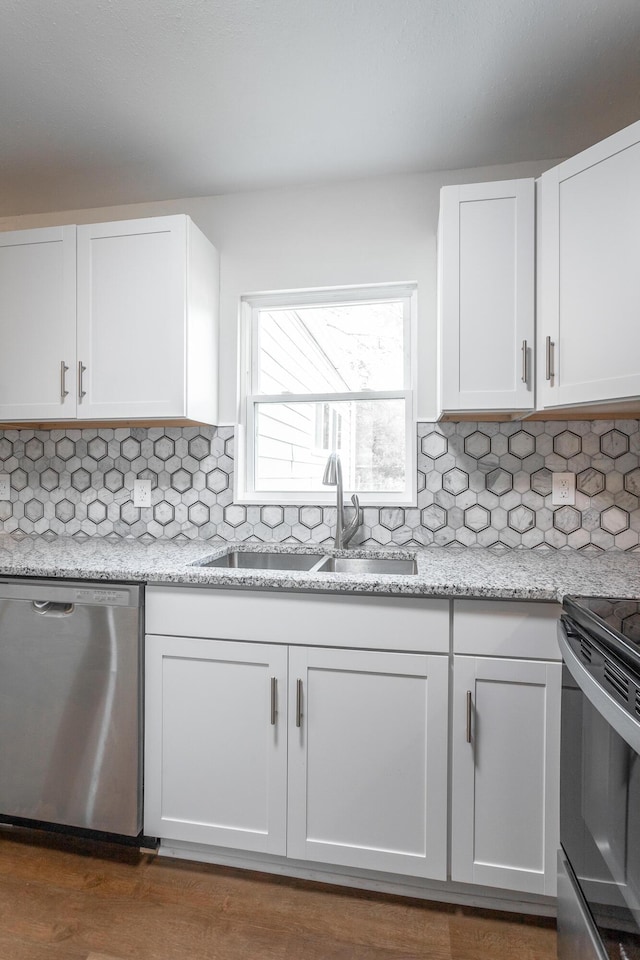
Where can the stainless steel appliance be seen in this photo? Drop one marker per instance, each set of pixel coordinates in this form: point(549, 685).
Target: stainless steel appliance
point(599, 861)
point(70, 704)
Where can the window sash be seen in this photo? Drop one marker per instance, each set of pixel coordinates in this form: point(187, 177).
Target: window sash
point(257, 304)
point(404, 497)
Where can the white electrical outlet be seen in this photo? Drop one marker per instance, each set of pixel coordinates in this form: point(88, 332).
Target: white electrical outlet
point(563, 488)
point(142, 493)
point(5, 486)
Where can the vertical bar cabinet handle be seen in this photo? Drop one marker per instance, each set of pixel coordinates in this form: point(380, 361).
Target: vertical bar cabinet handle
point(274, 696)
point(63, 383)
point(298, 703)
point(549, 357)
point(524, 362)
point(469, 712)
point(81, 369)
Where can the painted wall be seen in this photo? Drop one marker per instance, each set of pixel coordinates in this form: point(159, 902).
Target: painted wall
point(357, 232)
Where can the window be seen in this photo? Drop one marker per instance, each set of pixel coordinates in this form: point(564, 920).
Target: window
point(328, 371)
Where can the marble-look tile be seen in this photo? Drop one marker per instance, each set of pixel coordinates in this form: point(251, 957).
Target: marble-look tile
point(477, 483)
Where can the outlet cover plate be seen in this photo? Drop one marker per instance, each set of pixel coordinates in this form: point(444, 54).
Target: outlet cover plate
point(142, 493)
point(563, 489)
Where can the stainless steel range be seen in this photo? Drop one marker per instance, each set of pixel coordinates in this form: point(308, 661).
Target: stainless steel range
point(70, 704)
point(599, 867)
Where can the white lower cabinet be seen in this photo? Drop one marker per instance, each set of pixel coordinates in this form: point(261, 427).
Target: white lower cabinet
point(506, 748)
point(367, 752)
point(215, 754)
point(274, 744)
point(368, 760)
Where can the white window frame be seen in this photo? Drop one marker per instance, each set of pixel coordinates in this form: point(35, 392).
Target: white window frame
point(250, 305)
point(335, 428)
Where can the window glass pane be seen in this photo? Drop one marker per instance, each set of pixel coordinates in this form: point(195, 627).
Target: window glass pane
point(332, 348)
point(293, 441)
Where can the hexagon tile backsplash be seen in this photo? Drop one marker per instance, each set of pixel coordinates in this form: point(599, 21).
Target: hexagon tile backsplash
point(478, 483)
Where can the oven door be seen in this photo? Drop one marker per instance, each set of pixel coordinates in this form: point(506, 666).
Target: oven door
point(599, 813)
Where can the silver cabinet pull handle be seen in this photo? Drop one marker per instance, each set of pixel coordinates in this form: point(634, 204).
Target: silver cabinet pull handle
point(298, 703)
point(63, 383)
point(525, 376)
point(549, 355)
point(469, 712)
point(274, 698)
point(81, 369)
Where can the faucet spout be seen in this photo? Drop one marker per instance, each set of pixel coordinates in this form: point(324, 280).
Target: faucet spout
point(333, 478)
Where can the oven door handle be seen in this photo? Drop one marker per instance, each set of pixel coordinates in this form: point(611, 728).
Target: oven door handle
point(615, 715)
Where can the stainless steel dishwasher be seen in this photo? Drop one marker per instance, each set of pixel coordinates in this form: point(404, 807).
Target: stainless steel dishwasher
point(70, 704)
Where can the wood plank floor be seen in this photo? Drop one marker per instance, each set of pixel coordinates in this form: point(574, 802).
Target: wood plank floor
point(66, 899)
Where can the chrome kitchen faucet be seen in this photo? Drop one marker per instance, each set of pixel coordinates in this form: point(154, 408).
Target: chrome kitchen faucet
point(333, 478)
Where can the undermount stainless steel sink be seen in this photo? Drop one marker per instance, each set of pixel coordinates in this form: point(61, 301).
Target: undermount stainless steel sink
point(376, 565)
point(312, 563)
point(260, 560)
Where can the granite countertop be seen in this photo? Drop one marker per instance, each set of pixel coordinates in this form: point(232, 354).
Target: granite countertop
point(442, 571)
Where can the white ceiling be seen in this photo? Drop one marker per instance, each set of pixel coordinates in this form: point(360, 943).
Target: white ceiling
point(117, 101)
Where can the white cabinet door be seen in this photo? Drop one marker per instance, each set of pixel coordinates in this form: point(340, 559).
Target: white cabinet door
point(216, 742)
point(38, 324)
point(486, 256)
point(589, 294)
point(132, 322)
point(506, 759)
point(368, 760)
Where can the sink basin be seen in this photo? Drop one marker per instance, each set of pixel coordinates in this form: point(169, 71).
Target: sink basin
point(311, 562)
point(255, 560)
point(377, 565)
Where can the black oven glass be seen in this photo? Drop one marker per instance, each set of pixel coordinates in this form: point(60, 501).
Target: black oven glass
point(600, 819)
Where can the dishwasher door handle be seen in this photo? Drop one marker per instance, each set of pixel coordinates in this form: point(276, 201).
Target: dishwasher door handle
point(51, 608)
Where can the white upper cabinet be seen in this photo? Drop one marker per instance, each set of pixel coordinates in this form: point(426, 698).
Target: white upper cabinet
point(37, 321)
point(486, 259)
point(589, 320)
point(110, 321)
point(147, 299)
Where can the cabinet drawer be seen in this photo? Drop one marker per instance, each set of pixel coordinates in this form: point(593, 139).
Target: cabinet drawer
point(498, 628)
point(384, 623)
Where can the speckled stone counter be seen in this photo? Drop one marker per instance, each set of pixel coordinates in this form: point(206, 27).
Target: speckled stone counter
point(442, 571)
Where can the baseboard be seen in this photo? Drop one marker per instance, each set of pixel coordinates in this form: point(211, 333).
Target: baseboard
point(441, 892)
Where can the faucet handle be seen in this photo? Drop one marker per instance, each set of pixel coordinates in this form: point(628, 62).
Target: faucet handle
point(355, 522)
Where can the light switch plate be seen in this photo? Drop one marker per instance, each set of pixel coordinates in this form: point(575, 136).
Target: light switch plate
point(5, 486)
point(563, 489)
point(142, 493)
